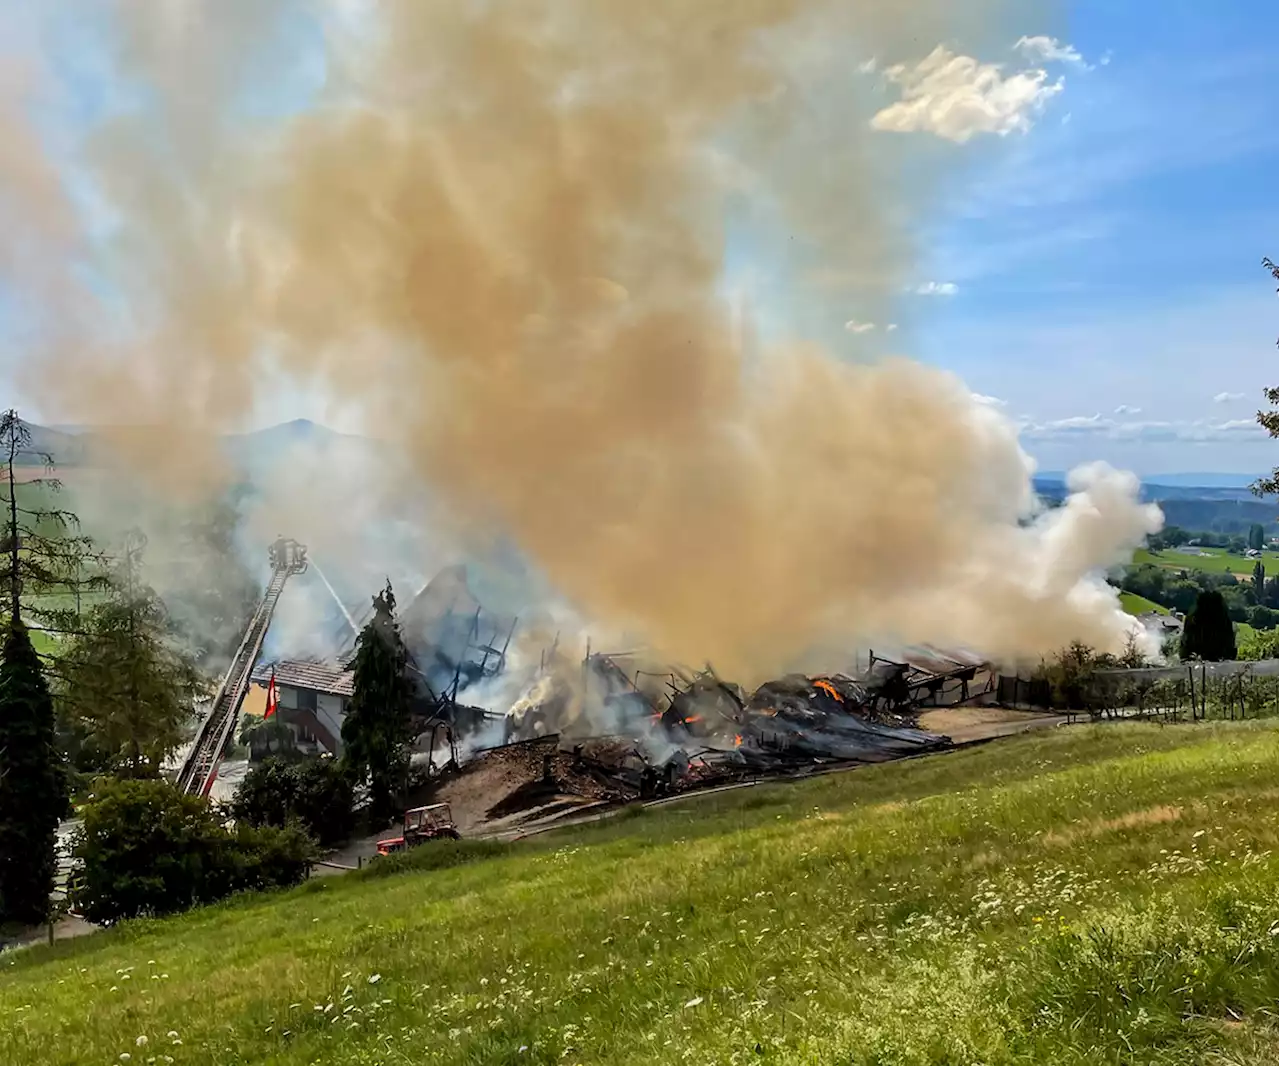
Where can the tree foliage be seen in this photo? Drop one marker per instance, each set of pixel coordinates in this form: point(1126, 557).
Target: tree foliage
point(125, 687)
point(1257, 536)
point(1208, 633)
point(375, 732)
point(315, 793)
point(43, 549)
point(1070, 673)
point(1258, 645)
point(146, 848)
point(32, 782)
point(265, 737)
point(1270, 419)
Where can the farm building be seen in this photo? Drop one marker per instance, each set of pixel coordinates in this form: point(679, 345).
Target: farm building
point(313, 700)
point(452, 643)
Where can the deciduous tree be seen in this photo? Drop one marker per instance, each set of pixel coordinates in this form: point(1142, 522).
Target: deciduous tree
point(1270, 419)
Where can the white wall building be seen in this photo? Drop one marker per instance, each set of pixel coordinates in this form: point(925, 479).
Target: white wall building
point(313, 700)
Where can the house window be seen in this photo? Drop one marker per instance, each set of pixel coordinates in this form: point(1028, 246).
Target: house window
point(306, 700)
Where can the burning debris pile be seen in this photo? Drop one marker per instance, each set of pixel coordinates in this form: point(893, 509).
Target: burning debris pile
point(507, 733)
point(613, 728)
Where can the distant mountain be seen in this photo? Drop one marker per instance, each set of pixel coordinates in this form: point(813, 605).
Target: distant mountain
point(1203, 481)
point(287, 436)
point(1169, 481)
point(72, 446)
point(64, 448)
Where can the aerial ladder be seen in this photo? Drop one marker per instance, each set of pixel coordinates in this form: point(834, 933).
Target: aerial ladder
point(213, 736)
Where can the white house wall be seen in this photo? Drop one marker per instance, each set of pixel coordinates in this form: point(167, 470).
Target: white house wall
point(330, 711)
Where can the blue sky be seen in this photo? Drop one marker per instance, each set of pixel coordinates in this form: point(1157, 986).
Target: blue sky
point(1107, 262)
point(1095, 272)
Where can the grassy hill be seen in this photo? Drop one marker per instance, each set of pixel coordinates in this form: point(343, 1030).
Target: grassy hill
point(1090, 894)
point(1134, 604)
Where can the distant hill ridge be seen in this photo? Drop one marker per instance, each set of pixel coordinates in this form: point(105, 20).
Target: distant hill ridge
point(72, 446)
point(1206, 480)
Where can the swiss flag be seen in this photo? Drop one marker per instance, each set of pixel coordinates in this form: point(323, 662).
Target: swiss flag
point(273, 697)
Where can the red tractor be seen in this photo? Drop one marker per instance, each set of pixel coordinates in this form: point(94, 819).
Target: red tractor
point(420, 825)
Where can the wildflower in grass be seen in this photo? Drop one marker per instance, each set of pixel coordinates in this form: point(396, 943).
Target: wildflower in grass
point(141, 1041)
point(694, 1002)
point(374, 978)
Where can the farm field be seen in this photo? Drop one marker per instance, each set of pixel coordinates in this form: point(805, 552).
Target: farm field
point(1134, 604)
point(1215, 559)
point(1092, 894)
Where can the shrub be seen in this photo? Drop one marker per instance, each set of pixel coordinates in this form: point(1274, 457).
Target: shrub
point(436, 855)
point(316, 793)
point(145, 848)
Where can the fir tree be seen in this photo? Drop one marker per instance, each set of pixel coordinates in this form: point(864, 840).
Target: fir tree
point(1208, 634)
point(375, 732)
point(33, 793)
point(43, 550)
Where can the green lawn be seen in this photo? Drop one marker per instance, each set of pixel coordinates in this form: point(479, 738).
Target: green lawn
point(1093, 894)
point(1216, 559)
point(1135, 604)
point(44, 643)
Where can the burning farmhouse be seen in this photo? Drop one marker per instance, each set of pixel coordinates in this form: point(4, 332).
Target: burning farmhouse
point(508, 740)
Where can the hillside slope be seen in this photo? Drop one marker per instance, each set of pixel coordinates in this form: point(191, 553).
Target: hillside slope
point(1093, 894)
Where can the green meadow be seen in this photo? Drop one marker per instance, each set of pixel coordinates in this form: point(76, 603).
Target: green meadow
point(1088, 894)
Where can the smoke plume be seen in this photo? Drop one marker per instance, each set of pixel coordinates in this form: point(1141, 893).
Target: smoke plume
point(501, 231)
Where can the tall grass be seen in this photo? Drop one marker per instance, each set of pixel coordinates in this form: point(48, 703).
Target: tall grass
point(1097, 894)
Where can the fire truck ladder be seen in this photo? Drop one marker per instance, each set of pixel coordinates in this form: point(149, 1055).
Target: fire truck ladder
point(201, 767)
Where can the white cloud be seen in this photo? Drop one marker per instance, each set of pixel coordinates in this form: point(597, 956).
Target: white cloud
point(867, 66)
point(986, 401)
point(1200, 431)
point(1228, 397)
point(891, 327)
point(854, 326)
point(956, 97)
point(937, 288)
point(1125, 409)
point(1048, 50)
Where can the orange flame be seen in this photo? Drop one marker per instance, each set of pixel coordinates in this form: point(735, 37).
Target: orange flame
point(829, 689)
point(737, 741)
point(693, 718)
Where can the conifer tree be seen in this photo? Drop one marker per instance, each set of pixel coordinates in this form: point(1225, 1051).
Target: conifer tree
point(33, 793)
point(125, 682)
point(39, 553)
point(375, 732)
point(1207, 633)
point(44, 553)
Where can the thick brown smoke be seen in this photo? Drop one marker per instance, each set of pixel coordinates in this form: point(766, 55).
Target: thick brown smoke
point(502, 228)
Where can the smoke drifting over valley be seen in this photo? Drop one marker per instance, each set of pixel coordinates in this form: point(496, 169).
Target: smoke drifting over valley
point(499, 233)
